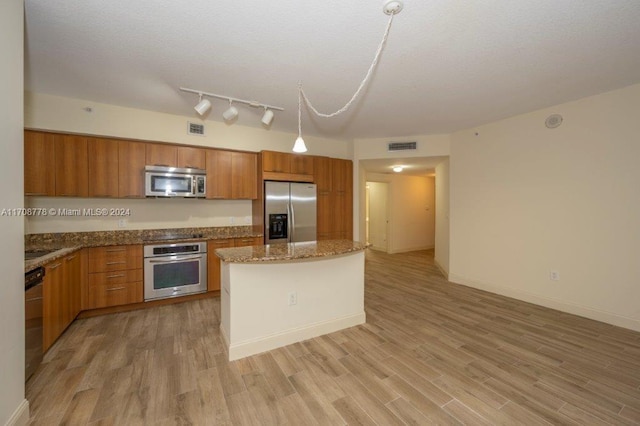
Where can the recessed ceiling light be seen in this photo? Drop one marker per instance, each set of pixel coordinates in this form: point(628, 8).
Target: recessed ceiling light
point(397, 169)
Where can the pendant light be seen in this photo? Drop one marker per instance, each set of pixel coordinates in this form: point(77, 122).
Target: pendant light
point(299, 146)
point(391, 8)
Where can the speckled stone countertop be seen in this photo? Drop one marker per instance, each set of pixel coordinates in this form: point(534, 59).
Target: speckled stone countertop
point(292, 251)
point(64, 243)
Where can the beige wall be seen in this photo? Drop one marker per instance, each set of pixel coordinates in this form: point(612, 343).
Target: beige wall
point(56, 113)
point(13, 406)
point(526, 200)
point(441, 257)
point(376, 148)
point(411, 211)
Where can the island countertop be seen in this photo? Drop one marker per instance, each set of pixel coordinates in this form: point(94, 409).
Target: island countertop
point(289, 251)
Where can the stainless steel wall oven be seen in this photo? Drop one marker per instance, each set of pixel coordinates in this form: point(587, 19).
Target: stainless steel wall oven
point(172, 270)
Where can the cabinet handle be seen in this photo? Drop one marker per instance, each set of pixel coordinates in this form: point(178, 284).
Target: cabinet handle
point(32, 194)
point(246, 241)
point(115, 263)
point(102, 195)
point(116, 288)
point(33, 299)
point(55, 266)
point(114, 250)
point(115, 276)
point(164, 165)
point(217, 196)
point(71, 258)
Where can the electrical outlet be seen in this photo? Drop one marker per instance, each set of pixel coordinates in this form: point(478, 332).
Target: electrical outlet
point(293, 299)
point(232, 220)
point(122, 223)
point(554, 276)
point(247, 220)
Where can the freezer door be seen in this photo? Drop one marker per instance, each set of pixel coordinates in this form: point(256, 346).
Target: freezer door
point(276, 212)
point(303, 212)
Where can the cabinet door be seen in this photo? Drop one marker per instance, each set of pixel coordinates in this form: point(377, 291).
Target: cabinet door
point(191, 158)
point(325, 215)
point(72, 173)
point(322, 171)
point(213, 262)
point(161, 155)
point(39, 164)
point(131, 162)
point(301, 164)
point(218, 167)
point(71, 282)
point(103, 167)
point(341, 172)
point(115, 288)
point(114, 258)
point(276, 162)
point(52, 298)
point(244, 175)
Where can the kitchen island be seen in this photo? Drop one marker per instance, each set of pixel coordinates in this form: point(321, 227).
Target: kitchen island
point(279, 294)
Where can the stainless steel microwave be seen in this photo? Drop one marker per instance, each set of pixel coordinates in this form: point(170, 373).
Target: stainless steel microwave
point(161, 181)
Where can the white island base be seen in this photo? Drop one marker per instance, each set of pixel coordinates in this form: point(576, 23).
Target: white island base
point(266, 305)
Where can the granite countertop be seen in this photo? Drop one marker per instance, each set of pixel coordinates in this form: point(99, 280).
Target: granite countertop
point(64, 243)
point(291, 251)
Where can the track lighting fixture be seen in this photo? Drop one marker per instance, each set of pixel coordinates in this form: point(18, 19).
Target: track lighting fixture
point(203, 105)
point(232, 112)
point(267, 118)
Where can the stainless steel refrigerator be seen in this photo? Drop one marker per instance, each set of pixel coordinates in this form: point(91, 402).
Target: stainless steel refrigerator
point(289, 212)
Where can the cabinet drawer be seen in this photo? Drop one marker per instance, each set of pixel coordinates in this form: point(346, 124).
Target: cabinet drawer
point(115, 278)
point(115, 258)
point(106, 294)
point(248, 241)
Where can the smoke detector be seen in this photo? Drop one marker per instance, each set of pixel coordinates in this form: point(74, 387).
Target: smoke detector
point(553, 121)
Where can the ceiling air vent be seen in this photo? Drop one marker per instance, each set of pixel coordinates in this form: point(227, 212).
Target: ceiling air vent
point(402, 146)
point(195, 129)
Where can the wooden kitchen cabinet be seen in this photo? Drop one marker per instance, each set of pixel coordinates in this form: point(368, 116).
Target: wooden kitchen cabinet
point(244, 175)
point(191, 158)
point(247, 241)
point(115, 276)
point(39, 164)
point(61, 297)
point(213, 262)
point(218, 165)
point(322, 174)
point(161, 155)
point(334, 180)
point(103, 161)
point(278, 162)
point(131, 162)
point(301, 164)
point(72, 173)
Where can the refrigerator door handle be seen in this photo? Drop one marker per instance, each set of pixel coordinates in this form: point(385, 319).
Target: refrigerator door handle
point(292, 226)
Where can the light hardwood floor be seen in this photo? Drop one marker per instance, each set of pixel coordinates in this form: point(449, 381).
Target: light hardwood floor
point(430, 352)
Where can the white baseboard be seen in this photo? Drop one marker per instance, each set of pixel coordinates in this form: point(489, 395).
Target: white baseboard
point(20, 416)
point(252, 347)
point(407, 250)
point(571, 308)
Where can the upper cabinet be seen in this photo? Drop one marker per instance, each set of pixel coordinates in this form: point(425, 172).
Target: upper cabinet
point(131, 162)
point(72, 173)
point(283, 162)
point(39, 159)
point(244, 175)
point(161, 155)
point(218, 165)
point(191, 158)
point(103, 167)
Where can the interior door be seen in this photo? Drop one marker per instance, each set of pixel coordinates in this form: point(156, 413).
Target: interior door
point(378, 219)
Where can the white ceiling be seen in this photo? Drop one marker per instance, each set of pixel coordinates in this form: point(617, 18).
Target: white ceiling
point(448, 65)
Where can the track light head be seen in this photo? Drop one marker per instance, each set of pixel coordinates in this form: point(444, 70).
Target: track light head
point(267, 118)
point(231, 113)
point(203, 106)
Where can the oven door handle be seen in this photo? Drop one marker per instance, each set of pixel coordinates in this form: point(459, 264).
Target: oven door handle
point(182, 259)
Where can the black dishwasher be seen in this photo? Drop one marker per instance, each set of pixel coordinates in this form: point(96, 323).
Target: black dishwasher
point(33, 320)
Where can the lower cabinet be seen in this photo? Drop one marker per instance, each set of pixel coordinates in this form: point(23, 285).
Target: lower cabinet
point(213, 261)
point(114, 276)
point(61, 296)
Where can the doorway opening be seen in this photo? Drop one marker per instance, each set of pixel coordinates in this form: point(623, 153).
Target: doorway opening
point(377, 215)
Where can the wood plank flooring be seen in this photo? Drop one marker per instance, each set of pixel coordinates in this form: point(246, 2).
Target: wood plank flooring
point(431, 352)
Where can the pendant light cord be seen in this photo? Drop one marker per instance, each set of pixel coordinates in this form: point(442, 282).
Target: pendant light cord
point(299, 109)
point(355, 95)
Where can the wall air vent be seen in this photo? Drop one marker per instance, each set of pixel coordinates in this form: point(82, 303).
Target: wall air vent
point(195, 129)
point(402, 146)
